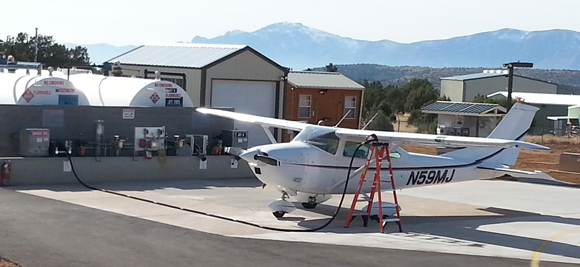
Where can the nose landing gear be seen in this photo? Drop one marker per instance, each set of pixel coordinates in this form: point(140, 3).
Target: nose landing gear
point(281, 207)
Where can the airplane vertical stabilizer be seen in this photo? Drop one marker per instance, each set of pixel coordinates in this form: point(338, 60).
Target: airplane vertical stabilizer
point(514, 126)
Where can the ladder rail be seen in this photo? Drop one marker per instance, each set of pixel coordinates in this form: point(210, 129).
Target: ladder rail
point(359, 187)
point(378, 151)
point(394, 190)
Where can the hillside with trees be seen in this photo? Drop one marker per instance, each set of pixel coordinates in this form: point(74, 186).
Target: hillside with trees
point(568, 80)
point(50, 53)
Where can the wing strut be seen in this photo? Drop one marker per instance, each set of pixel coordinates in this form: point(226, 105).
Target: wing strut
point(269, 134)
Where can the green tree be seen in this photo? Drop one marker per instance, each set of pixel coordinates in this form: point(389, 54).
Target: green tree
point(50, 53)
point(381, 123)
point(420, 94)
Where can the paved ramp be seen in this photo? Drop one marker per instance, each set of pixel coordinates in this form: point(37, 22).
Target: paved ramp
point(487, 218)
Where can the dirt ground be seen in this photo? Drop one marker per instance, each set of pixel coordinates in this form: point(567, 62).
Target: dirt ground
point(5, 263)
point(530, 160)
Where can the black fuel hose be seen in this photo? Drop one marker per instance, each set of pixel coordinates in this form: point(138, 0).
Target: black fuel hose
point(223, 217)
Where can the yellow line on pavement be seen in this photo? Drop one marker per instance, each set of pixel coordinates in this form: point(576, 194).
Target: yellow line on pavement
point(536, 257)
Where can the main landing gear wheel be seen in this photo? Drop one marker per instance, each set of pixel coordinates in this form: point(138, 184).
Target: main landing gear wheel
point(279, 214)
point(309, 205)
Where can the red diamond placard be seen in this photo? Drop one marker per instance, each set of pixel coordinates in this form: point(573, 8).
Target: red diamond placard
point(155, 97)
point(28, 95)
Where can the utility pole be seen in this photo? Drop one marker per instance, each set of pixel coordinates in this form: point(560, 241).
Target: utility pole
point(36, 45)
point(510, 86)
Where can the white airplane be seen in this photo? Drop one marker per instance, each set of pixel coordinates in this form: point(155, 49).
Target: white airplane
point(314, 164)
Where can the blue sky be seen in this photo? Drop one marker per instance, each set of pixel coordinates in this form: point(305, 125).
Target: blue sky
point(120, 22)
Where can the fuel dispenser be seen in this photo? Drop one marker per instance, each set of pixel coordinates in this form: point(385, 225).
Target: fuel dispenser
point(198, 143)
point(235, 138)
point(34, 142)
point(149, 140)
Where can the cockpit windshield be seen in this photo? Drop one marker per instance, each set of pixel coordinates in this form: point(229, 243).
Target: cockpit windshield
point(323, 138)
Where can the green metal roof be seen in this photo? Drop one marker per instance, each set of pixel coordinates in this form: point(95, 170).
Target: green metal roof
point(326, 80)
point(463, 108)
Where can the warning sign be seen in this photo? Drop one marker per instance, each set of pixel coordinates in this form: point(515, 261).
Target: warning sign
point(28, 95)
point(155, 97)
point(128, 114)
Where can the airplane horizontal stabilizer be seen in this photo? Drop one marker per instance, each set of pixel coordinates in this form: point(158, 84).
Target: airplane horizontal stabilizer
point(518, 173)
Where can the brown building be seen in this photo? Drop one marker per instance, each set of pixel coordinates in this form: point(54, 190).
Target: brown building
point(323, 96)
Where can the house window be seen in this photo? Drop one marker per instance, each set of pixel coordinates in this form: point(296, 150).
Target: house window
point(350, 104)
point(304, 106)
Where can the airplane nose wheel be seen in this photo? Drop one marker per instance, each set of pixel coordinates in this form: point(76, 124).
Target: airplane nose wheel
point(281, 207)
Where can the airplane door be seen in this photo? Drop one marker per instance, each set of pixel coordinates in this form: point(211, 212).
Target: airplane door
point(321, 172)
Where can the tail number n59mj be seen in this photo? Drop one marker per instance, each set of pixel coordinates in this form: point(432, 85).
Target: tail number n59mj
point(430, 177)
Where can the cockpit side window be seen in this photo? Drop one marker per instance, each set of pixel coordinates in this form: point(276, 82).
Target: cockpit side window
point(350, 147)
point(322, 138)
point(363, 151)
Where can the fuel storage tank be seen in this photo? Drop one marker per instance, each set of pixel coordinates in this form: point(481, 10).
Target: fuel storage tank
point(30, 88)
point(130, 92)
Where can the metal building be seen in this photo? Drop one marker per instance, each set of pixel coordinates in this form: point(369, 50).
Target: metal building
point(465, 88)
point(234, 76)
point(550, 105)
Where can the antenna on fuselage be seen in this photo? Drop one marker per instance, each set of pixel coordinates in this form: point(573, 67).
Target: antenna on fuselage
point(369, 122)
point(343, 117)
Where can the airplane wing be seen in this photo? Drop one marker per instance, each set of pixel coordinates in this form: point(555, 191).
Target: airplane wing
point(393, 137)
point(264, 121)
point(431, 139)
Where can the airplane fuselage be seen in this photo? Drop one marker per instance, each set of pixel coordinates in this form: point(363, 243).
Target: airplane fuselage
point(320, 166)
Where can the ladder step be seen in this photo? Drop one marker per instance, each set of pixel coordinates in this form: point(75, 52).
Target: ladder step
point(392, 220)
point(382, 181)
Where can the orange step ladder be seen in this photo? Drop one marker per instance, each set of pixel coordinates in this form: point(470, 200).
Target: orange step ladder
point(378, 150)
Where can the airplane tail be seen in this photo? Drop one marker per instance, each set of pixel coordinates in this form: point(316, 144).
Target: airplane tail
point(514, 126)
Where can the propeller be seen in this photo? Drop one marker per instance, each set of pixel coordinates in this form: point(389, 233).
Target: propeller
point(236, 151)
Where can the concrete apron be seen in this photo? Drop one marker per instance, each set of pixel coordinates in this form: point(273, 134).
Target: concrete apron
point(487, 218)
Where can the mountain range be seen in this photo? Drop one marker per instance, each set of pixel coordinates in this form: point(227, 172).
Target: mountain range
point(299, 47)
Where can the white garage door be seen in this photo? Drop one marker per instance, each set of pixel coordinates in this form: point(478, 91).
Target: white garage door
point(256, 98)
